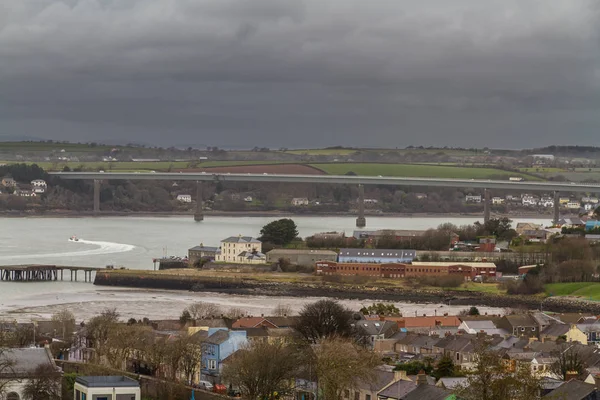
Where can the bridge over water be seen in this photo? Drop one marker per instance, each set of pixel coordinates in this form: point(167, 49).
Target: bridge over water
point(482, 184)
point(40, 272)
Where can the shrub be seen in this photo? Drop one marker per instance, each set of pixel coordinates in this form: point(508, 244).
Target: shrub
point(441, 281)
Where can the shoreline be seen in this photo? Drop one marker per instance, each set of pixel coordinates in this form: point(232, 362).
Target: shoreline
point(238, 285)
point(258, 214)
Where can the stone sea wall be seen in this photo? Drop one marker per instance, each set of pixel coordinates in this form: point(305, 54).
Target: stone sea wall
point(238, 285)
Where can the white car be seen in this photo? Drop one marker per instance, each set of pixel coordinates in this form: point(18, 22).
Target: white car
point(206, 385)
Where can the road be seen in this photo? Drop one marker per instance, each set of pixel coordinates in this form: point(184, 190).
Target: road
point(338, 179)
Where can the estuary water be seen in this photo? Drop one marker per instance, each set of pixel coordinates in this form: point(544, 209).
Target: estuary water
point(133, 242)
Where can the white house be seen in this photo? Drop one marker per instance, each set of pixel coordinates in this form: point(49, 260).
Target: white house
point(299, 201)
point(486, 326)
point(497, 200)
point(516, 178)
point(106, 387)
point(39, 183)
point(371, 201)
point(589, 199)
point(547, 202)
point(184, 198)
point(589, 206)
point(574, 205)
point(248, 199)
point(241, 250)
point(529, 201)
point(473, 198)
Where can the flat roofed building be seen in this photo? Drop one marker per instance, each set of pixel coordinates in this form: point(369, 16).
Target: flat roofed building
point(401, 270)
point(376, 255)
point(106, 388)
point(301, 257)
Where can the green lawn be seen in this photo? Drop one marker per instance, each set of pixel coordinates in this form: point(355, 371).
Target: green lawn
point(586, 290)
point(418, 171)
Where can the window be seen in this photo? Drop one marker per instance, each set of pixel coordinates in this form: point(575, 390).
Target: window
point(356, 395)
point(367, 397)
point(346, 394)
point(12, 396)
point(522, 329)
point(212, 364)
point(533, 329)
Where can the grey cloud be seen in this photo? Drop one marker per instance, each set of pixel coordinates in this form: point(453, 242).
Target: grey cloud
point(304, 73)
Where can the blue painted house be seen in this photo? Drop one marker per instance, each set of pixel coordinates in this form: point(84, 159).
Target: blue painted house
point(220, 344)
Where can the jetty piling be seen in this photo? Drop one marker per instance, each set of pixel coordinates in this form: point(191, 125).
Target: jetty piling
point(43, 273)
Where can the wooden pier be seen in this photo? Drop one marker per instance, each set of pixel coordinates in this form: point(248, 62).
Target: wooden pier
point(44, 273)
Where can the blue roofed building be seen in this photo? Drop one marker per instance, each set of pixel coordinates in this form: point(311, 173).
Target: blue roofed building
point(220, 344)
point(591, 225)
point(379, 256)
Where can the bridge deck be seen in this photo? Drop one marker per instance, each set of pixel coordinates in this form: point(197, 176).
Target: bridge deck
point(40, 272)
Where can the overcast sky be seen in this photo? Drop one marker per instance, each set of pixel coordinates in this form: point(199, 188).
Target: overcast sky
point(302, 73)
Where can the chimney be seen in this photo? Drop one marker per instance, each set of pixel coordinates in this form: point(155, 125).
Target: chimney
point(571, 375)
point(400, 376)
point(421, 378)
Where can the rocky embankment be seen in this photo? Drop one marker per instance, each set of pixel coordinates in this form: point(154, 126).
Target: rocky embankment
point(251, 286)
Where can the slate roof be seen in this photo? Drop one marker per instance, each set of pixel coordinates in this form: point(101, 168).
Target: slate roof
point(452, 383)
point(556, 330)
point(379, 253)
point(381, 379)
point(397, 390)
point(375, 327)
point(204, 248)
point(572, 390)
point(427, 392)
point(241, 239)
point(26, 360)
point(218, 337)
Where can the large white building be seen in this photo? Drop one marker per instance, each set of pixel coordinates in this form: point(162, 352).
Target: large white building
point(241, 250)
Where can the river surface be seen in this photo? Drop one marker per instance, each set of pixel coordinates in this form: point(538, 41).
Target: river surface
point(133, 242)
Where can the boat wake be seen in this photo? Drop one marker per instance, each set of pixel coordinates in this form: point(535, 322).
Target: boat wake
point(99, 248)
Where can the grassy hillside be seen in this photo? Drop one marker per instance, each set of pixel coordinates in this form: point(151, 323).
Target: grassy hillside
point(418, 170)
point(585, 290)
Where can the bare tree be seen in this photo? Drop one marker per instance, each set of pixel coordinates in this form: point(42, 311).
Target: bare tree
point(568, 360)
point(191, 358)
point(324, 318)
point(203, 310)
point(263, 370)
point(234, 313)
point(282, 310)
point(492, 380)
point(97, 331)
point(63, 323)
point(122, 342)
point(45, 384)
point(7, 364)
point(24, 335)
point(342, 364)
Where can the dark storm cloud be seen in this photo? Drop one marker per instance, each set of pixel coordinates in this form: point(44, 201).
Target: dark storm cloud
point(507, 73)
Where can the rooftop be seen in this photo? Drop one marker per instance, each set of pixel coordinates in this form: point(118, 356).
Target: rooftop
point(26, 360)
point(453, 263)
point(306, 251)
point(107, 381)
point(241, 239)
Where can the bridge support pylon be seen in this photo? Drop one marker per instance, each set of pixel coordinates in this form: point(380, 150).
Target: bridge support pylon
point(199, 215)
point(556, 208)
point(97, 183)
point(361, 221)
point(486, 206)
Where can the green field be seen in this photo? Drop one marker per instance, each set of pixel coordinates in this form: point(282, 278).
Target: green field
point(417, 171)
point(45, 146)
point(585, 290)
point(131, 166)
point(322, 152)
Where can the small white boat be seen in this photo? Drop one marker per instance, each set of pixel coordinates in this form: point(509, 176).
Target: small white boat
point(74, 238)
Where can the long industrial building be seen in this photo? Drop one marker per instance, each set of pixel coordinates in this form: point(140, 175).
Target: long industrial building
point(469, 270)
